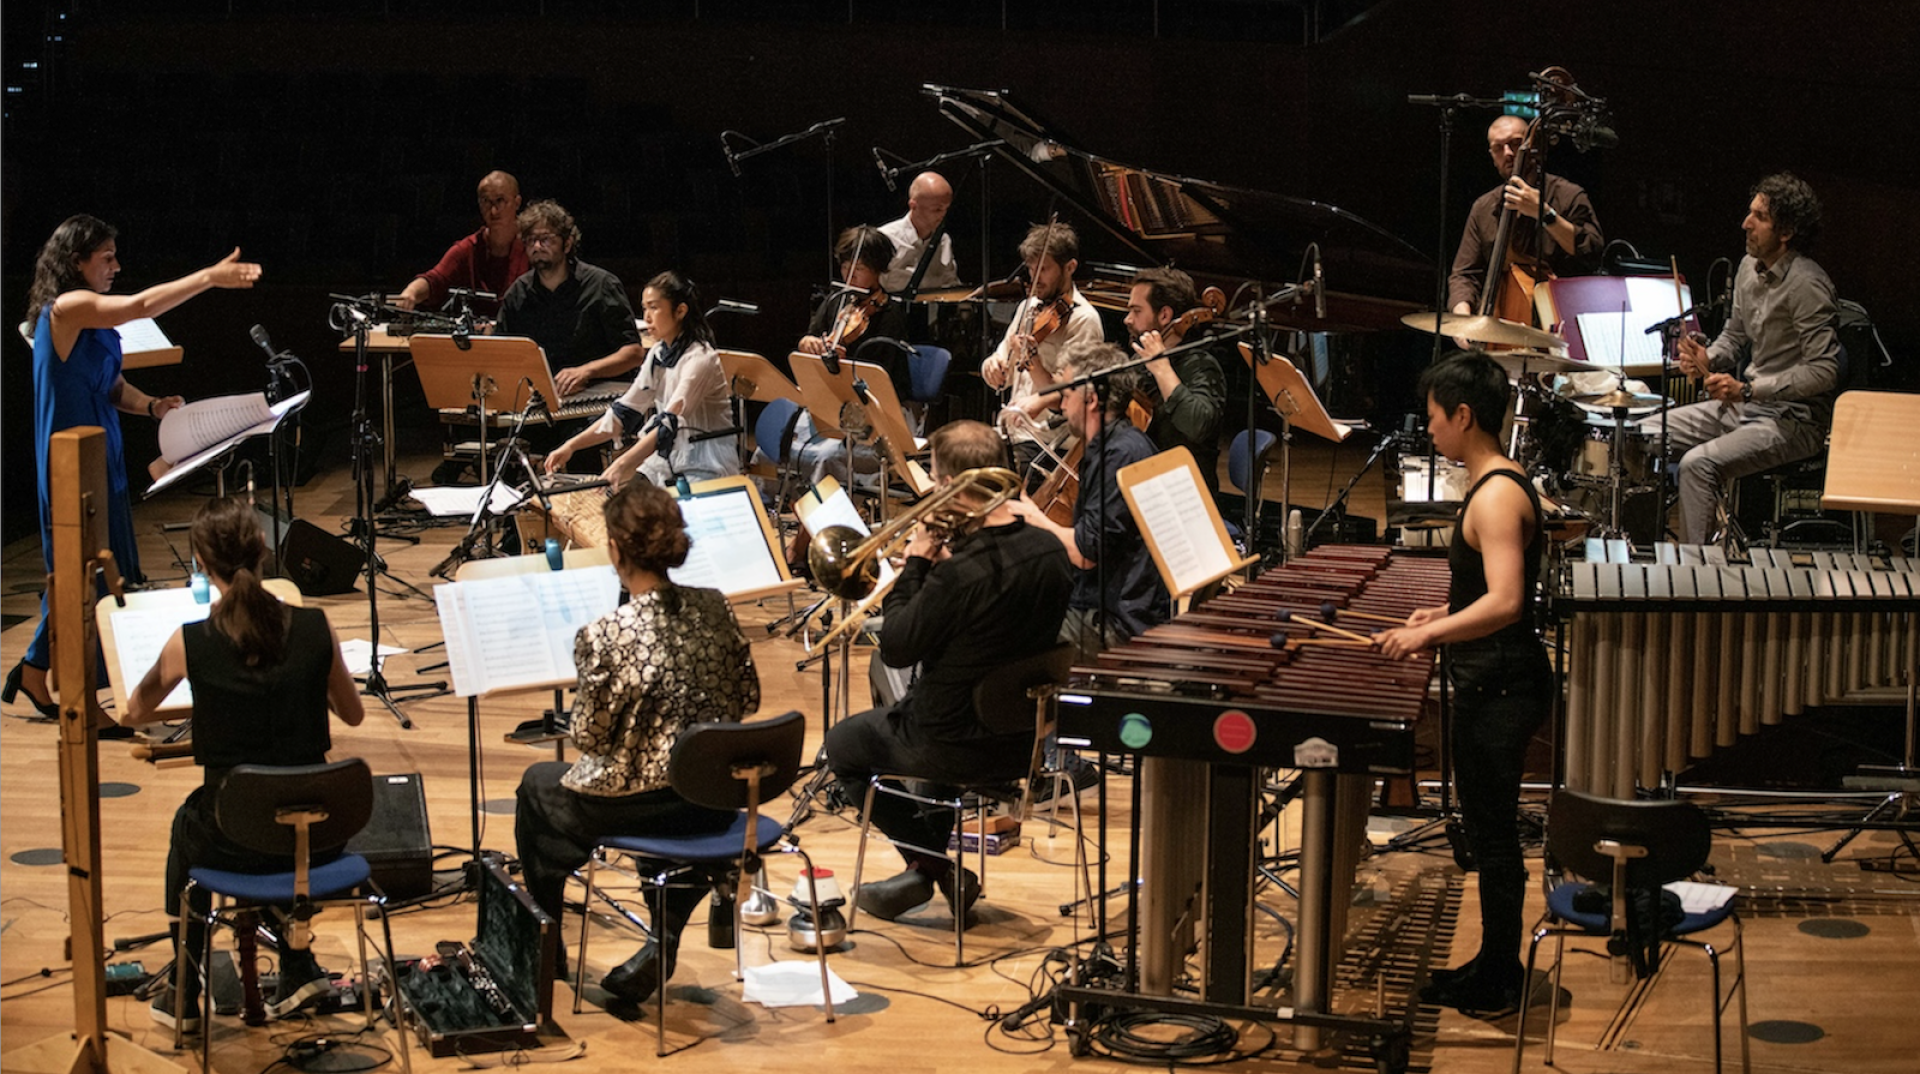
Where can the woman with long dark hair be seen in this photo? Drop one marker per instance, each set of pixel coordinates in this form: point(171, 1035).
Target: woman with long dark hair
point(264, 675)
point(77, 381)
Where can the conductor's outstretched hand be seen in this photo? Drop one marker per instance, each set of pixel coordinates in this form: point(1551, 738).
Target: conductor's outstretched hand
point(231, 272)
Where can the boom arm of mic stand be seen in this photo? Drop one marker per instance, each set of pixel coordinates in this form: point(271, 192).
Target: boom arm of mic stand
point(1340, 501)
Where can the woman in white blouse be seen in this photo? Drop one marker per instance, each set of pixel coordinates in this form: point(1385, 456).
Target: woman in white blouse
point(679, 394)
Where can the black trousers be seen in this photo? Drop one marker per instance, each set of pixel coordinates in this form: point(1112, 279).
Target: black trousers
point(197, 843)
point(1503, 691)
point(885, 742)
point(555, 830)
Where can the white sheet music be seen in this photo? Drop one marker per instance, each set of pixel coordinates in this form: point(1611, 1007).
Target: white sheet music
point(460, 501)
point(204, 422)
point(1173, 510)
point(517, 631)
point(142, 334)
point(729, 551)
point(1650, 300)
point(140, 634)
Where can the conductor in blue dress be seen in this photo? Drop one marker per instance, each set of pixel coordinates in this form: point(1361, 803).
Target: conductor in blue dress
point(77, 381)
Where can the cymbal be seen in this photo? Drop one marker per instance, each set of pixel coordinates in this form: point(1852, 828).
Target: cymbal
point(1520, 362)
point(1484, 329)
point(1620, 397)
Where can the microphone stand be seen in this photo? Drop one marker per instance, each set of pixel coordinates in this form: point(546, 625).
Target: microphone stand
point(374, 684)
point(824, 128)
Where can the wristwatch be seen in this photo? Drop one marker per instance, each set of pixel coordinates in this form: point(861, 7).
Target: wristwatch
point(1746, 391)
point(1548, 216)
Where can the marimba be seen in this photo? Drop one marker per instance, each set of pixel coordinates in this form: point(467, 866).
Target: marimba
point(1673, 659)
point(1208, 699)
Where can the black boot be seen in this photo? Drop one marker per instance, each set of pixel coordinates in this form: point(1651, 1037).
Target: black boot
point(634, 980)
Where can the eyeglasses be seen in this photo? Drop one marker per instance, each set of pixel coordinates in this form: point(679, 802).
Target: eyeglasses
point(543, 238)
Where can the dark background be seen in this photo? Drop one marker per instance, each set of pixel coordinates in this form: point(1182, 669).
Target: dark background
point(339, 145)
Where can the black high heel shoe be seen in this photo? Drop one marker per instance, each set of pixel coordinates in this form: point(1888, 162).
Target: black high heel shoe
point(49, 710)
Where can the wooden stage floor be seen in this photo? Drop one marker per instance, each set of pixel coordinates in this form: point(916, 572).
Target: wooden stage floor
point(1833, 951)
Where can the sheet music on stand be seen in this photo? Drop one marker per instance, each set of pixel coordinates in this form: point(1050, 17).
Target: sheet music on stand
point(734, 547)
point(516, 632)
point(1293, 398)
point(275, 414)
point(1179, 522)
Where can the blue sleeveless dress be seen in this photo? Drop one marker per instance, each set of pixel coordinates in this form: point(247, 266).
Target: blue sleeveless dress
point(68, 394)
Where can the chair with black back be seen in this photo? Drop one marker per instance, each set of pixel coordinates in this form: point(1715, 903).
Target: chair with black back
point(1628, 850)
point(1014, 698)
point(726, 766)
point(305, 814)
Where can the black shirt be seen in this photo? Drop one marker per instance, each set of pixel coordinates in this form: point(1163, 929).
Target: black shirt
point(1001, 596)
point(1190, 417)
point(586, 318)
point(1467, 570)
point(270, 714)
point(889, 320)
point(1109, 537)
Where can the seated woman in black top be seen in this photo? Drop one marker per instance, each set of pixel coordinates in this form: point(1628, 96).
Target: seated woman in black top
point(263, 676)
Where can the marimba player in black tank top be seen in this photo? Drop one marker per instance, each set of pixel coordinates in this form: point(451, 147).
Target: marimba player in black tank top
point(1502, 680)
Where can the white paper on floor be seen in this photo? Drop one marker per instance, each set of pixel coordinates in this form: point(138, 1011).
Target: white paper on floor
point(794, 984)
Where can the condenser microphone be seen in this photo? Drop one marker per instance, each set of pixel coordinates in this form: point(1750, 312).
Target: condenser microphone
point(1319, 287)
point(886, 173)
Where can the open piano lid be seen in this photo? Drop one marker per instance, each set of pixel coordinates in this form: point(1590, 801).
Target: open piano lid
point(1219, 234)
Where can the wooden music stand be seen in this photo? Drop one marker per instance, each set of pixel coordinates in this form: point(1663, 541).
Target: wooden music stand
point(144, 346)
point(77, 468)
point(1295, 401)
point(1873, 465)
point(1179, 522)
point(455, 378)
point(751, 378)
point(830, 395)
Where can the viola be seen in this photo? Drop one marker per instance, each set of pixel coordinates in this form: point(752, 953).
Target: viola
point(1042, 322)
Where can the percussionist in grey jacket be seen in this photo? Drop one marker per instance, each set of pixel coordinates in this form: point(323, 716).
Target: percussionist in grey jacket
point(1771, 374)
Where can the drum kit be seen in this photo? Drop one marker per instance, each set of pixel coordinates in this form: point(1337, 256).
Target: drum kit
point(1585, 448)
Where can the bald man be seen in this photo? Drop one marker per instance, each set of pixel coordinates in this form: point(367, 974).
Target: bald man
point(488, 260)
point(1574, 241)
point(927, 202)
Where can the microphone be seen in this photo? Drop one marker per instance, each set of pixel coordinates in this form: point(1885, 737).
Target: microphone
point(886, 173)
point(1593, 134)
point(729, 305)
point(260, 340)
point(1319, 286)
point(732, 161)
point(860, 389)
point(831, 360)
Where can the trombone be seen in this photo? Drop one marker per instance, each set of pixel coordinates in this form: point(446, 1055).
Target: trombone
point(847, 565)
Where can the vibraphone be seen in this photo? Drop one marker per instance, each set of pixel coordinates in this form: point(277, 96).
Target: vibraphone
point(1672, 659)
point(1212, 696)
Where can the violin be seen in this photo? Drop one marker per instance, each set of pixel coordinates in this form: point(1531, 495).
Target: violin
point(854, 317)
point(1042, 322)
point(1213, 304)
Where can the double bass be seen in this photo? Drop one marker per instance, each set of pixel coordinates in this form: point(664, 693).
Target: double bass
point(1507, 290)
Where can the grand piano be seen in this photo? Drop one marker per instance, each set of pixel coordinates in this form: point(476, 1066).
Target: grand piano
point(1221, 235)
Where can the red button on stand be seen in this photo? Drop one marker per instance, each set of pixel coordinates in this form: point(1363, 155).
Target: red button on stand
point(1233, 731)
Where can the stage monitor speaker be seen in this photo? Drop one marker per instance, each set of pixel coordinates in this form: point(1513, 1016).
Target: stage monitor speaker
point(396, 840)
point(321, 564)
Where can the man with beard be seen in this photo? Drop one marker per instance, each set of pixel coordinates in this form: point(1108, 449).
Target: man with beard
point(1770, 376)
point(1026, 365)
point(1189, 390)
point(1574, 241)
point(578, 313)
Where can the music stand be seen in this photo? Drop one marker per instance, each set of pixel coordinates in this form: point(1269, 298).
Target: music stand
point(1293, 399)
point(860, 394)
point(751, 378)
point(455, 377)
point(1873, 464)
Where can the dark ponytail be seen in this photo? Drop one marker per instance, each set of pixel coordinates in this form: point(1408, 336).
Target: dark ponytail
point(227, 540)
point(680, 291)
